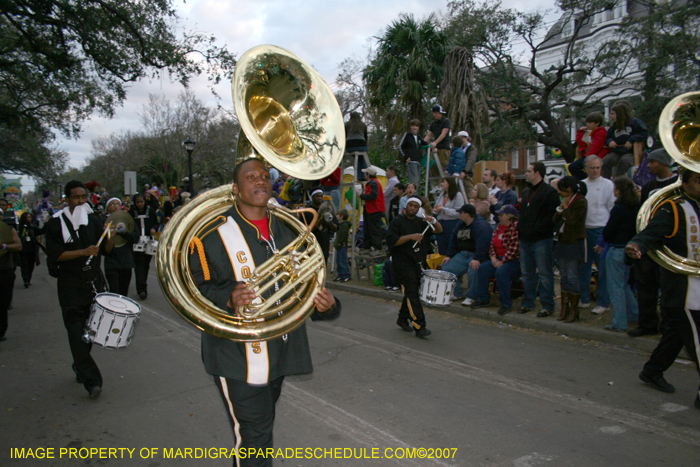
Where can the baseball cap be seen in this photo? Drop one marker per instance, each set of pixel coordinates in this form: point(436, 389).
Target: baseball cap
point(370, 171)
point(468, 209)
point(508, 209)
point(463, 133)
point(438, 108)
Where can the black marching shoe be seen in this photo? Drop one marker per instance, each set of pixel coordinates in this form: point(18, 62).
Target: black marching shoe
point(543, 313)
point(480, 304)
point(95, 391)
point(524, 309)
point(404, 325)
point(657, 382)
point(423, 332)
point(638, 332)
point(143, 295)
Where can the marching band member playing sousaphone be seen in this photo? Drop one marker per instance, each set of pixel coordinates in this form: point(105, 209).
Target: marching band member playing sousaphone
point(223, 255)
point(73, 235)
point(674, 225)
point(406, 243)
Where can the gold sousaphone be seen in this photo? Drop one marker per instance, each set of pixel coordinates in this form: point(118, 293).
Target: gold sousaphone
point(289, 117)
point(679, 129)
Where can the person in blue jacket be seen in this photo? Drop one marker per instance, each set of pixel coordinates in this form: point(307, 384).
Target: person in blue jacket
point(622, 134)
point(457, 158)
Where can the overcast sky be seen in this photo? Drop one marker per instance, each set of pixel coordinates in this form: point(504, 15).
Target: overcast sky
point(321, 32)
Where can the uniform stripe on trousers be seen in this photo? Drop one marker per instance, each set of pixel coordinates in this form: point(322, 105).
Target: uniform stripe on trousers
point(237, 426)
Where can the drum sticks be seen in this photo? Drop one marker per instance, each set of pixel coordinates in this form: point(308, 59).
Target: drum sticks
point(98, 243)
point(430, 226)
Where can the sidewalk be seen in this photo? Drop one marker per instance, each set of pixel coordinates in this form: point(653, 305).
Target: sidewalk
point(589, 326)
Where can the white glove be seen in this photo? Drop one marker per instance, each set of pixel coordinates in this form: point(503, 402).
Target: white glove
point(358, 189)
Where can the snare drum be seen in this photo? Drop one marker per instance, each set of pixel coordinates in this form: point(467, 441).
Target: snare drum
point(436, 287)
point(112, 321)
point(151, 247)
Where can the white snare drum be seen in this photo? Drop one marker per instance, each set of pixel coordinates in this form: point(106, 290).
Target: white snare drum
point(112, 321)
point(151, 247)
point(436, 287)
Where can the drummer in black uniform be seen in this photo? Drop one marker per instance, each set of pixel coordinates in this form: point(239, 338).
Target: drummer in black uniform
point(142, 212)
point(118, 265)
point(405, 231)
point(72, 235)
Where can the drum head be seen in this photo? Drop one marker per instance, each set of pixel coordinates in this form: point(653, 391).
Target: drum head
point(443, 275)
point(118, 304)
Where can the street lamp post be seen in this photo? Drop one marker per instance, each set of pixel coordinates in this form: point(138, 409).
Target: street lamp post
point(189, 147)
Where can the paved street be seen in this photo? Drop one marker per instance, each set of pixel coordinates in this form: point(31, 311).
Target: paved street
point(479, 392)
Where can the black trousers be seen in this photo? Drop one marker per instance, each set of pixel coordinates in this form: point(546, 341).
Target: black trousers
point(408, 276)
point(26, 264)
point(677, 331)
point(646, 279)
point(251, 412)
point(118, 280)
point(74, 318)
point(7, 284)
point(142, 261)
point(373, 231)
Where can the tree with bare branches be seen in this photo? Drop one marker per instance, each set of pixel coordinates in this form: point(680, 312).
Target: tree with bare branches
point(526, 102)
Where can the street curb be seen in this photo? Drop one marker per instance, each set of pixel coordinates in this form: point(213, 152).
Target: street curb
point(528, 321)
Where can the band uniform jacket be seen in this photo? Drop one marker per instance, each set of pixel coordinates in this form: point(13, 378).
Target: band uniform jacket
point(211, 266)
point(72, 289)
point(664, 229)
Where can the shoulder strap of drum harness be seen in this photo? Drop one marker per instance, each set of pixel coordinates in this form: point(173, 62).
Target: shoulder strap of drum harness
point(142, 218)
point(196, 242)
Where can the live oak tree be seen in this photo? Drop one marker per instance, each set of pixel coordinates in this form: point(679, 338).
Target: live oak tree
point(525, 102)
point(62, 60)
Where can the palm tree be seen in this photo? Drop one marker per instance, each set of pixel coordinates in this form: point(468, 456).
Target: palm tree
point(406, 72)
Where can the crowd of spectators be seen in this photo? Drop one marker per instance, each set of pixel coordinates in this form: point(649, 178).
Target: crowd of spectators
point(574, 228)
